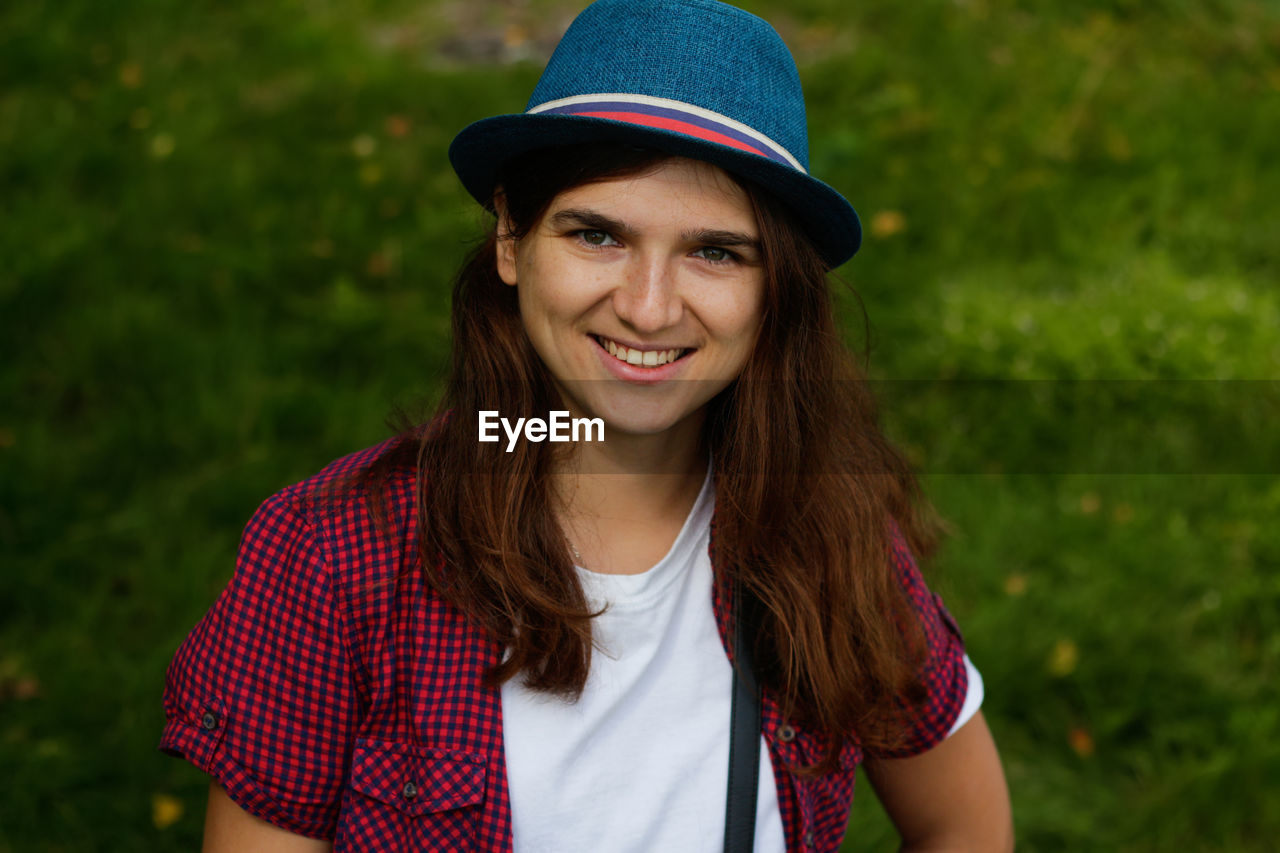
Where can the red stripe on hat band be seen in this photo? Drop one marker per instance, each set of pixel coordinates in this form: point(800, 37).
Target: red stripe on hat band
point(678, 126)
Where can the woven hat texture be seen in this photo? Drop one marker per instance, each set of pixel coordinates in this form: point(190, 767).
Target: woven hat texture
point(696, 78)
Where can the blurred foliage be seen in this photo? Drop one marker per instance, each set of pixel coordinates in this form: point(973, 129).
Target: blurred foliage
point(229, 230)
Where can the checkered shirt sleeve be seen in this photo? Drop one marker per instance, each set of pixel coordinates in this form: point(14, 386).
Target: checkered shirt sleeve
point(944, 675)
point(259, 695)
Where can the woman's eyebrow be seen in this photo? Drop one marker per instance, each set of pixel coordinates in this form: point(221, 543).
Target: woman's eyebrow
point(578, 217)
point(717, 237)
point(590, 219)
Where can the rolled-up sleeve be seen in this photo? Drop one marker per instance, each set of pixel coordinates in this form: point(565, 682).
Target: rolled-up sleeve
point(260, 694)
point(944, 674)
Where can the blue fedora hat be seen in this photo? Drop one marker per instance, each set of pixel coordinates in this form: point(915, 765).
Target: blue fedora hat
point(696, 78)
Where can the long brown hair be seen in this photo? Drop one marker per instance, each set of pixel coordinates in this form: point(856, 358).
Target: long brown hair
point(807, 486)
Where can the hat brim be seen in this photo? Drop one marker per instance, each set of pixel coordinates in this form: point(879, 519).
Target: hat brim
point(478, 152)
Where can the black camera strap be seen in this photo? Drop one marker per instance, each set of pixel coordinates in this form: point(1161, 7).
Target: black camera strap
point(744, 743)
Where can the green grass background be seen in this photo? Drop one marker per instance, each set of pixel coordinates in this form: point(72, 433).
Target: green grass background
point(226, 234)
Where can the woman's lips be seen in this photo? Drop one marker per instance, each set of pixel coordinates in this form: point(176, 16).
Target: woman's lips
point(644, 357)
point(643, 366)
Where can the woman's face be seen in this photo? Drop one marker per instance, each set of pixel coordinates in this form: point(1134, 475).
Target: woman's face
point(642, 295)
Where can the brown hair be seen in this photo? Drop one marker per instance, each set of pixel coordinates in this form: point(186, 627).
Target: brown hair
point(807, 486)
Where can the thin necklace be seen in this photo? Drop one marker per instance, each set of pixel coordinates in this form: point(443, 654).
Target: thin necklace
point(577, 558)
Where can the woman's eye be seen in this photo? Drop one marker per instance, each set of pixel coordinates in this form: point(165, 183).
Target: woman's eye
point(715, 254)
point(596, 238)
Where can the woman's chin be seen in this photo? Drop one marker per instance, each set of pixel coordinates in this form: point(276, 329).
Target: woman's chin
point(675, 409)
point(640, 421)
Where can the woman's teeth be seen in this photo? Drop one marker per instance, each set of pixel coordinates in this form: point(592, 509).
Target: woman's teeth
point(644, 358)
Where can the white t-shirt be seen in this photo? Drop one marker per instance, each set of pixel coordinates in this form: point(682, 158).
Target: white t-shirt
point(640, 762)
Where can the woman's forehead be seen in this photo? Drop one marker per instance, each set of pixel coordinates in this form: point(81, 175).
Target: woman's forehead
point(677, 187)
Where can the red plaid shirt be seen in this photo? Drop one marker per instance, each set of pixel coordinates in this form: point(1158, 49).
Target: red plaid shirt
point(333, 695)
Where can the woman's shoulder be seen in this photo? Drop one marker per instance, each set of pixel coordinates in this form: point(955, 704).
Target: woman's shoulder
point(345, 487)
point(269, 680)
point(356, 514)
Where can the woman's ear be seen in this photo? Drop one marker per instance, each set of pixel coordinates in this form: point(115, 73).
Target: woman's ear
point(506, 245)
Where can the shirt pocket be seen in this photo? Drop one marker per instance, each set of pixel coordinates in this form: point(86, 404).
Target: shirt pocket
point(404, 796)
point(824, 800)
point(800, 747)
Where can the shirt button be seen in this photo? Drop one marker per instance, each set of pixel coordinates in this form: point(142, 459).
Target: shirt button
point(808, 838)
point(209, 721)
point(410, 791)
point(786, 734)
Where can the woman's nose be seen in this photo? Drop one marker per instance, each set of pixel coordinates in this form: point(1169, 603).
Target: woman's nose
point(649, 300)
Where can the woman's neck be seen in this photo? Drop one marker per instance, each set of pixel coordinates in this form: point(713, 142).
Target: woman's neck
point(624, 500)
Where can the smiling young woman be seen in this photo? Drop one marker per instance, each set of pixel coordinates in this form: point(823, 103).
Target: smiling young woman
point(441, 643)
point(638, 317)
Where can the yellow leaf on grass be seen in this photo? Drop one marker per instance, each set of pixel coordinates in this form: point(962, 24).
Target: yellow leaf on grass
point(130, 75)
point(378, 265)
point(1015, 584)
point(514, 36)
point(397, 126)
point(886, 223)
point(1063, 658)
point(166, 810)
point(1081, 742)
point(363, 146)
point(162, 145)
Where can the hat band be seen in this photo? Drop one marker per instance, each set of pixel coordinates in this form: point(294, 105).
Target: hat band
point(674, 116)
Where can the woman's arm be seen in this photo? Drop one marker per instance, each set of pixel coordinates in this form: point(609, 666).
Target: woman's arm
point(229, 829)
point(952, 798)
